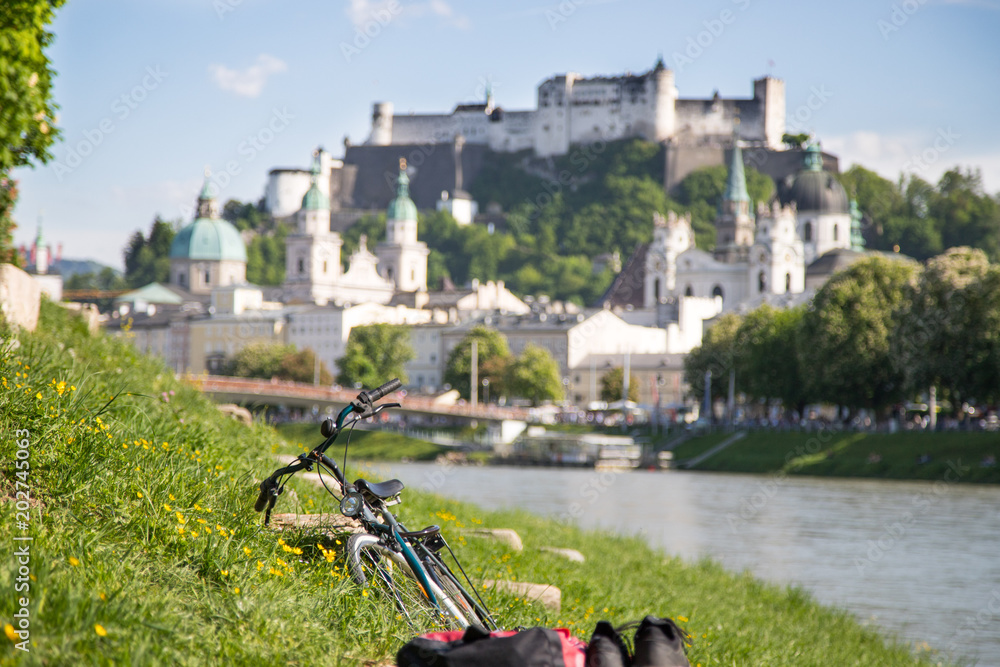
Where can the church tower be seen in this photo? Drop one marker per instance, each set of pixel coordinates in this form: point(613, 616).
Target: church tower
point(734, 226)
point(312, 253)
point(402, 258)
point(672, 235)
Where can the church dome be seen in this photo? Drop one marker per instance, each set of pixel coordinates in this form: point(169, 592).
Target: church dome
point(209, 239)
point(816, 190)
point(402, 207)
point(315, 199)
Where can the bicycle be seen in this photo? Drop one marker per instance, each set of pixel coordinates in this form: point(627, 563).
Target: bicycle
point(405, 566)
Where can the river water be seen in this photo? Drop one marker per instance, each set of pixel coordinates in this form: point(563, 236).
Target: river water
point(921, 560)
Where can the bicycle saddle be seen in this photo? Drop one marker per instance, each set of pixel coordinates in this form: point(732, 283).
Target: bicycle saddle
point(383, 490)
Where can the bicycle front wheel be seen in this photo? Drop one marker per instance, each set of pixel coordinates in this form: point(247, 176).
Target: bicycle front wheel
point(377, 568)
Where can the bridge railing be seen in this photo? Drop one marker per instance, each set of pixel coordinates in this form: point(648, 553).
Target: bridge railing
point(285, 389)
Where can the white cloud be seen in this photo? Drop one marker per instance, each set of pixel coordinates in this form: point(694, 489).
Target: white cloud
point(364, 12)
point(925, 155)
point(248, 82)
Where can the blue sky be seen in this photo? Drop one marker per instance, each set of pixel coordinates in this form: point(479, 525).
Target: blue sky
point(151, 92)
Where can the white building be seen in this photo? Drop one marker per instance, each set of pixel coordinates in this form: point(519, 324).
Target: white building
point(326, 329)
point(402, 258)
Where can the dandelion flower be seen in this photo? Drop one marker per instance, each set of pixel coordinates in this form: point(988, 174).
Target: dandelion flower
point(682, 619)
point(104, 597)
point(99, 629)
point(247, 551)
point(167, 507)
point(180, 518)
point(73, 561)
point(139, 493)
point(9, 631)
point(237, 590)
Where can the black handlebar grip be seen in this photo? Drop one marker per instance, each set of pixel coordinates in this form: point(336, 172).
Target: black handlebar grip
point(379, 392)
point(265, 489)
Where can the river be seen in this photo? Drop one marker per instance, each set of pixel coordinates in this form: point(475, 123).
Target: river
point(919, 559)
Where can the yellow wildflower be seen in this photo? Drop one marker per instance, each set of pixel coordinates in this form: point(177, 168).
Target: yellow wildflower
point(237, 590)
point(73, 561)
point(247, 551)
point(180, 518)
point(9, 631)
point(167, 507)
point(99, 629)
point(104, 597)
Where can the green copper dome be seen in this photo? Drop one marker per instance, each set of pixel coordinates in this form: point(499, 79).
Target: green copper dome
point(402, 207)
point(314, 199)
point(209, 239)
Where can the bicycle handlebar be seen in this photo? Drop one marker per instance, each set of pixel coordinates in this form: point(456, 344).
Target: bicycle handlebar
point(373, 395)
point(362, 406)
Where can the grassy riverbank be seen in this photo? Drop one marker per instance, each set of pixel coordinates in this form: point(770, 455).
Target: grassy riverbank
point(145, 548)
point(915, 455)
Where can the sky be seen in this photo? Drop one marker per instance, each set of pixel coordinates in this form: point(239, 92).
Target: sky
point(153, 92)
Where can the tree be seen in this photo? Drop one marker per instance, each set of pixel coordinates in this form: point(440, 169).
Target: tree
point(266, 360)
point(931, 343)
point(28, 113)
point(845, 348)
point(375, 354)
point(613, 386)
point(795, 140)
point(300, 366)
point(266, 256)
point(717, 353)
point(534, 375)
point(147, 260)
point(764, 368)
point(493, 355)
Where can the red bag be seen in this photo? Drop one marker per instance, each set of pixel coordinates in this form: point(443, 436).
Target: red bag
point(474, 647)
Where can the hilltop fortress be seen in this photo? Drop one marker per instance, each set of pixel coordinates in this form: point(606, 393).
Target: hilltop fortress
point(572, 109)
point(446, 151)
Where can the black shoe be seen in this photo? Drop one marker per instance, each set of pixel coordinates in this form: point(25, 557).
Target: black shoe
point(606, 648)
point(659, 643)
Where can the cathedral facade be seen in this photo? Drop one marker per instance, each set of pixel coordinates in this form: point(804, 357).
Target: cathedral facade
point(313, 272)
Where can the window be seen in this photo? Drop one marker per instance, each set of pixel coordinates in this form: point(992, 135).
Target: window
point(835, 232)
point(807, 232)
point(656, 290)
point(182, 279)
point(324, 266)
point(788, 282)
point(302, 265)
point(208, 276)
point(717, 291)
point(688, 291)
point(761, 282)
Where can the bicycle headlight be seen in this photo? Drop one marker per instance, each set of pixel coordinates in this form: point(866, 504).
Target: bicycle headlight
point(350, 505)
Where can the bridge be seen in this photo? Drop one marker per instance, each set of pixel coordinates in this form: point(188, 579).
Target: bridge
point(248, 391)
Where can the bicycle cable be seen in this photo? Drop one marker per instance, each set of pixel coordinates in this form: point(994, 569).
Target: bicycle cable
point(469, 581)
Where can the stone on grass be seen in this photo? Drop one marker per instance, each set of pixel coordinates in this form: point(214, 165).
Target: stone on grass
point(568, 554)
point(547, 594)
point(503, 535)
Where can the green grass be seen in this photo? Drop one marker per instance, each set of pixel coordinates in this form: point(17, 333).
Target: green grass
point(696, 446)
point(885, 456)
point(367, 445)
point(146, 549)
